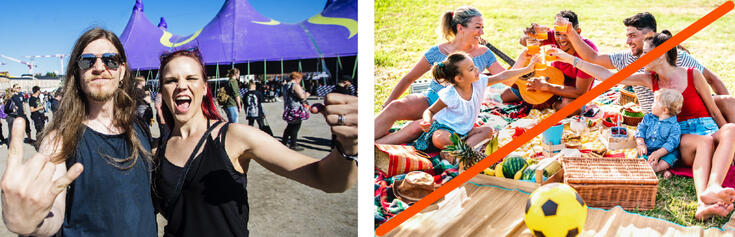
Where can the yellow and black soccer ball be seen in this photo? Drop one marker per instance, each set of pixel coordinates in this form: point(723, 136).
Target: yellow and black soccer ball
point(555, 209)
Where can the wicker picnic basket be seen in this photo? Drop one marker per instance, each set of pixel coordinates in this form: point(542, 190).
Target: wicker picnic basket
point(632, 121)
point(608, 182)
point(627, 97)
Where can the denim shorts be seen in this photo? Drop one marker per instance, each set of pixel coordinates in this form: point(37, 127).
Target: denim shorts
point(431, 96)
point(670, 157)
point(516, 92)
point(704, 126)
point(425, 142)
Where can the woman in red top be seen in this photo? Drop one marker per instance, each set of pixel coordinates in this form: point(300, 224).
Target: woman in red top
point(703, 146)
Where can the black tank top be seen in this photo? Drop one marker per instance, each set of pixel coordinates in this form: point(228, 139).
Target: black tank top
point(213, 197)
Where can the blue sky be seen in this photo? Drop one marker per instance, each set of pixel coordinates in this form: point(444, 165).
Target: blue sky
point(29, 28)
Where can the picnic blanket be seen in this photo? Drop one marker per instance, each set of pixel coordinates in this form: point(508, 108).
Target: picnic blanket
point(500, 116)
point(474, 210)
point(387, 205)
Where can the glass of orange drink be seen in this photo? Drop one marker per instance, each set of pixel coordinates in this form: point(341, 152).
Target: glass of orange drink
point(548, 57)
point(542, 32)
point(533, 46)
point(561, 24)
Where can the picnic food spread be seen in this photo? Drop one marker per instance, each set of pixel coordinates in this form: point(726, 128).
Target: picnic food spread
point(511, 120)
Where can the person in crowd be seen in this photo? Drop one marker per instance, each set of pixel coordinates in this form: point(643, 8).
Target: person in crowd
point(294, 103)
point(344, 86)
point(37, 111)
point(56, 100)
point(143, 109)
point(254, 106)
point(233, 104)
point(14, 108)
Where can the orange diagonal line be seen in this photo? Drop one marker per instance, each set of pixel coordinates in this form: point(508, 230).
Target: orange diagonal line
point(555, 118)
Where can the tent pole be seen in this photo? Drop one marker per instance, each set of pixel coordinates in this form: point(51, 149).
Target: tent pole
point(299, 65)
point(339, 62)
point(281, 66)
point(336, 75)
point(265, 72)
point(248, 67)
point(354, 69)
point(217, 70)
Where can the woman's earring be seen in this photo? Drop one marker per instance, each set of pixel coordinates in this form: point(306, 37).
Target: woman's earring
point(120, 84)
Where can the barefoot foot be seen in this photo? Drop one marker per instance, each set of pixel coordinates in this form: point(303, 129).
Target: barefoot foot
point(706, 211)
point(717, 194)
point(667, 174)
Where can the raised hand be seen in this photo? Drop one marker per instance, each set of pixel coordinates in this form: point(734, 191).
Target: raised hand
point(561, 55)
point(341, 115)
point(28, 188)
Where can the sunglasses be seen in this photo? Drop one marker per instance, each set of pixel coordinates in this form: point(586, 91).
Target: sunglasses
point(194, 52)
point(111, 61)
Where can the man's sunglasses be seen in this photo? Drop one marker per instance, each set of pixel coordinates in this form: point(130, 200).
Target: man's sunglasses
point(111, 61)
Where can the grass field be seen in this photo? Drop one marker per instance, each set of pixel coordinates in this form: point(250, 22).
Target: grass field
point(405, 29)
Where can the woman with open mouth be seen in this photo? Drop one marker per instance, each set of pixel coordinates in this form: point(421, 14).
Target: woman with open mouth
point(200, 182)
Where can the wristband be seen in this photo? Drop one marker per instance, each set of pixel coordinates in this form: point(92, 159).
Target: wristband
point(342, 152)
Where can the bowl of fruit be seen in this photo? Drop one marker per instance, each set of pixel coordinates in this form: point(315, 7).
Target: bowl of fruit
point(610, 119)
point(632, 114)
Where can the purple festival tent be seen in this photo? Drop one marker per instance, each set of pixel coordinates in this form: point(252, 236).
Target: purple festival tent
point(238, 34)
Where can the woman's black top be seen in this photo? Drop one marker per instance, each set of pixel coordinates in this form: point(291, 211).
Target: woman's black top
point(213, 197)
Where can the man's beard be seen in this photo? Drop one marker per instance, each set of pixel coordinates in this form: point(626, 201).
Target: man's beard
point(637, 52)
point(101, 95)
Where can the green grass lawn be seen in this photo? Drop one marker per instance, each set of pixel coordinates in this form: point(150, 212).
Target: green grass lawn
point(405, 29)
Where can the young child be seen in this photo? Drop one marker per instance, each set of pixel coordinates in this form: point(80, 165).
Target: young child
point(459, 103)
point(659, 134)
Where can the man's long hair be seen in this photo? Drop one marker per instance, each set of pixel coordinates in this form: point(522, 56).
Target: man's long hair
point(73, 110)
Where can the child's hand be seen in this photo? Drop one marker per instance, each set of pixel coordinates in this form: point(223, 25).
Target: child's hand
point(642, 150)
point(653, 159)
point(425, 125)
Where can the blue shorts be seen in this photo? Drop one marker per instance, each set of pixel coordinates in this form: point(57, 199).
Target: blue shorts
point(516, 92)
point(704, 126)
point(431, 96)
point(424, 142)
point(670, 157)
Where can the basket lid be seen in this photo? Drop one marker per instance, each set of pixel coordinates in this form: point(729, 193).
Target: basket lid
point(607, 171)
